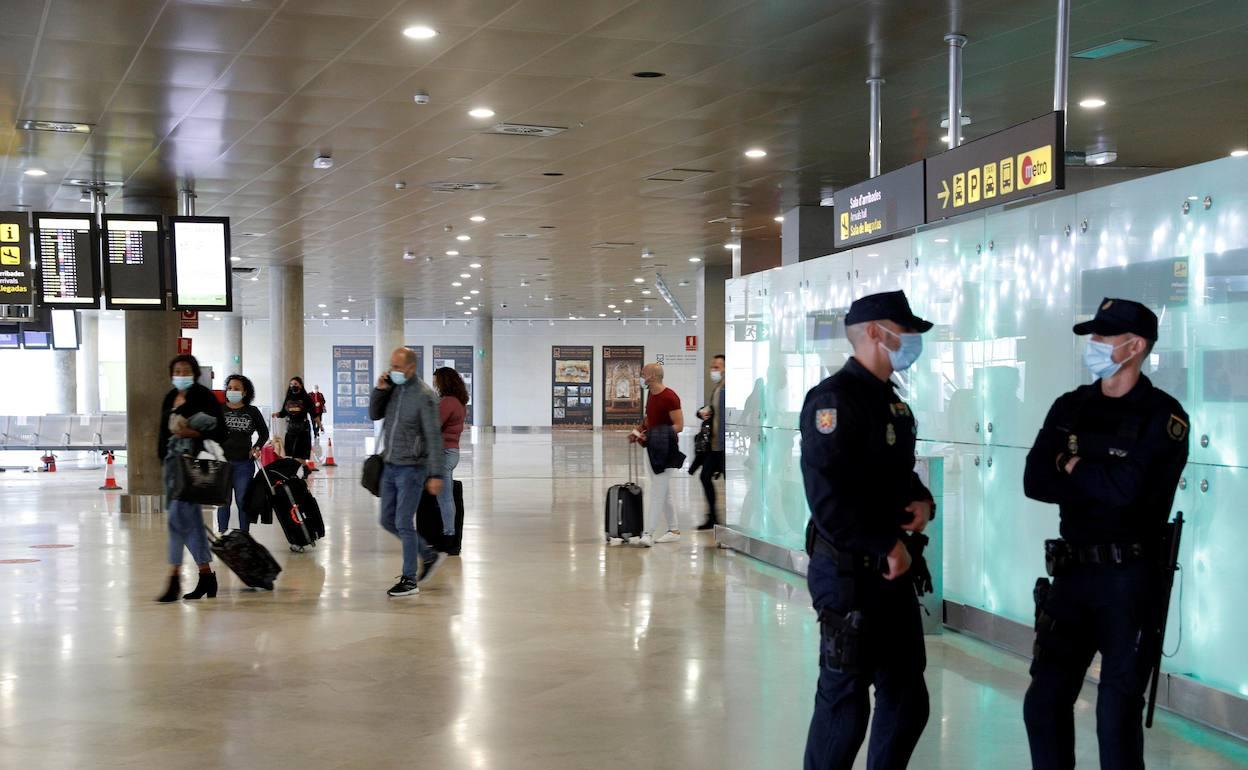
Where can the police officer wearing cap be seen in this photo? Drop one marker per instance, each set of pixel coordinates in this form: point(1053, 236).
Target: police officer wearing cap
point(1109, 455)
point(858, 461)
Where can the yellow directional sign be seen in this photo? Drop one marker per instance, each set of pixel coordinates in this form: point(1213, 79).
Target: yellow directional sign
point(10, 255)
point(10, 232)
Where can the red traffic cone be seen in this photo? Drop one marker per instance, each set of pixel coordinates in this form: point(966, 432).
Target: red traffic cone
point(329, 457)
point(110, 480)
point(49, 462)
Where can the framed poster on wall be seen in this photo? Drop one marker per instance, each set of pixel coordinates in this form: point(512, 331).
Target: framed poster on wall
point(459, 358)
point(622, 398)
point(419, 350)
point(353, 385)
point(572, 386)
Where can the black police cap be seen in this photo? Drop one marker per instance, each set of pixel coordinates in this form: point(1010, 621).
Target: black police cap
point(886, 306)
point(1121, 316)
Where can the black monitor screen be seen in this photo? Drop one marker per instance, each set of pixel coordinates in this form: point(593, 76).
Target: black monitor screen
point(133, 263)
point(201, 263)
point(67, 253)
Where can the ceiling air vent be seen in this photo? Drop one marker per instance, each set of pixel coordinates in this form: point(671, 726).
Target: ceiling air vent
point(523, 129)
point(1115, 48)
point(677, 175)
point(55, 126)
point(517, 235)
point(612, 245)
point(245, 271)
point(451, 187)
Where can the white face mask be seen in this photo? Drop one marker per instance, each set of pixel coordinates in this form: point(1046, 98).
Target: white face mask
point(716, 376)
point(1099, 358)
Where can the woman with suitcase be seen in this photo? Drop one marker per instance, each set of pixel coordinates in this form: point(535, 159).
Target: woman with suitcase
point(451, 413)
point(298, 409)
point(242, 422)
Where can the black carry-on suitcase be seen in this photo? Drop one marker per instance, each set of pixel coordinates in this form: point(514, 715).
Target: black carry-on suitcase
point(246, 558)
point(429, 522)
point(293, 505)
point(624, 513)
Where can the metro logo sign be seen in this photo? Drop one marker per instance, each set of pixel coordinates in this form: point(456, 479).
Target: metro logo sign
point(1035, 167)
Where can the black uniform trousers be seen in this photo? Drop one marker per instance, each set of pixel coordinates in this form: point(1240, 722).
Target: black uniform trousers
point(712, 464)
point(893, 660)
point(1094, 608)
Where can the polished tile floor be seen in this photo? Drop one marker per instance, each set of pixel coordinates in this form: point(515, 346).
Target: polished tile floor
point(539, 648)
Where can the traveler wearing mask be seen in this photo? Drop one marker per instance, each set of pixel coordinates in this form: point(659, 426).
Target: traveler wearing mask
point(318, 411)
point(189, 415)
point(711, 458)
point(659, 433)
point(298, 409)
point(242, 421)
point(411, 448)
point(452, 409)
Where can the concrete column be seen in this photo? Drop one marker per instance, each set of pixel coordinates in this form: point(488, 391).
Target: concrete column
point(712, 284)
point(89, 363)
point(285, 331)
point(233, 339)
point(483, 374)
point(65, 382)
point(151, 340)
point(390, 333)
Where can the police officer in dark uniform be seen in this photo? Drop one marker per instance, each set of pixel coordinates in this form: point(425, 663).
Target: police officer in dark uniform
point(858, 466)
point(1109, 455)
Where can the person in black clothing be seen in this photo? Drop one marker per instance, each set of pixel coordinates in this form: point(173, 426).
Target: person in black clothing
point(858, 459)
point(189, 415)
point(298, 410)
point(1110, 455)
point(242, 421)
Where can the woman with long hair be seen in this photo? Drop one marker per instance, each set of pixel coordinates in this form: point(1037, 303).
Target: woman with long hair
point(451, 413)
point(297, 408)
point(242, 421)
point(189, 416)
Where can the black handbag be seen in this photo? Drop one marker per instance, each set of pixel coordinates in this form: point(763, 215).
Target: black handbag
point(204, 482)
point(370, 479)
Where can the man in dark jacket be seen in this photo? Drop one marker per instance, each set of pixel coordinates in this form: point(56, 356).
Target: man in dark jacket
point(411, 446)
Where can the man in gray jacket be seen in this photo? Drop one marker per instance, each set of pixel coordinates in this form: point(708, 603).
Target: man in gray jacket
point(411, 446)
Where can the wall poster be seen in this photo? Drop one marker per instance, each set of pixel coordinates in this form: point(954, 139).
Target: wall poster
point(572, 381)
point(353, 385)
point(622, 398)
point(459, 358)
point(419, 350)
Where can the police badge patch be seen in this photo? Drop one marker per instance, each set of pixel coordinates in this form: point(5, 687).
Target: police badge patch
point(825, 421)
point(1176, 428)
point(890, 434)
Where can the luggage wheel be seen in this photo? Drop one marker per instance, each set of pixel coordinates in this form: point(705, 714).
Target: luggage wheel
point(296, 549)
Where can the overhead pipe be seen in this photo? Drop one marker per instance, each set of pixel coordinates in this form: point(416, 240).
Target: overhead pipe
point(1061, 61)
point(956, 42)
point(873, 152)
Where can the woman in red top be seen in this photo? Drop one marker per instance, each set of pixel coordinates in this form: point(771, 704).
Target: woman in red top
point(451, 413)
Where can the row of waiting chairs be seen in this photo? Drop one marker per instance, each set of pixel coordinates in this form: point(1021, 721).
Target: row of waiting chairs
point(64, 432)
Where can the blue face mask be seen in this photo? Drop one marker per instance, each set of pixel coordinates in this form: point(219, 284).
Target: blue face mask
point(904, 357)
point(182, 383)
point(234, 396)
point(1099, 358)
point(397, 377)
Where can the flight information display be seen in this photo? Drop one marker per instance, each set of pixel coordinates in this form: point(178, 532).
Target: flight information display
point(201, 263)
point(134, 264)
point(65, 329)
point(67, 258)
point(10, 336)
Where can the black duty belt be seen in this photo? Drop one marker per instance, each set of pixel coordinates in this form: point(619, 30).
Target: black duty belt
point(1062, 553)
point(850, 561)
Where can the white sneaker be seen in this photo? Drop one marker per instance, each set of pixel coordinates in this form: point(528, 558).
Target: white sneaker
point(615, 541)
point(670, 536)
point(645, 541)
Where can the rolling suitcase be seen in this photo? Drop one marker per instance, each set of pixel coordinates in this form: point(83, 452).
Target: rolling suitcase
point(429, 522)
point(246, 558)
point(624, 512)
point(293, 505)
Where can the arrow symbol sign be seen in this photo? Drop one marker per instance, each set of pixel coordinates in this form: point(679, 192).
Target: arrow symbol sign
point(943, 195)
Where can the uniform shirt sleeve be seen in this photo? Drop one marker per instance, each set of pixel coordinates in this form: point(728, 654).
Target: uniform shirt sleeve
point(835, 477)
point(1043, 480)
point(1119, 481)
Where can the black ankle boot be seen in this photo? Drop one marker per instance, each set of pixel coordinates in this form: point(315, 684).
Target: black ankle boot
point(207, 586)
point(174, 591)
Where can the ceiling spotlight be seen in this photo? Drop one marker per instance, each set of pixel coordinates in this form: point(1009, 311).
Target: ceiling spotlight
point(628, 302)
point(350, 298)
point(647, 254)
point(35, 172)
point(459, 303)
point(481, 112)
point(420, 32)
point(466, 297)
point(467, 312)
point(236, 259)
point(946, 139)
point(944, 122)
point(322, 162)
point(452, 253)
point(464, 237)
point(1240, 153)
point(695, 260)
point(400, 185)
point(639, 280)
point(465, 275)
point(1092, 103)
point(610, 307)
point(1100, 158)
point(322, 305)
point(646, 309)
point(755, 152)
point(942, 240)
point(473, 308)
point(602, 315)
point(615, 311)
point(475, 265)
point(645, 291)
point(409, 255)
point(476, 218)
point(324, 315)
point(456, 284)
point(546, 298)
point(474, 291)
point(780, 219)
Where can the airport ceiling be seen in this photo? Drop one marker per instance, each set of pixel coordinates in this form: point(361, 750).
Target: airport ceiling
point(238, 97)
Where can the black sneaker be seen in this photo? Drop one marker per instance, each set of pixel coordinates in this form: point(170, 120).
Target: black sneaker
point(708, 524)
point(429, 566)
point(405, 587)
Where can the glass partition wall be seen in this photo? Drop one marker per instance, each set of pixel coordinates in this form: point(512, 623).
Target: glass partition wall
point(1004, 289)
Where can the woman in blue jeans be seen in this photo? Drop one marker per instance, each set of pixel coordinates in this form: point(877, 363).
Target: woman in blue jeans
point(452, 409)
point(242, 421)
point(189, 416)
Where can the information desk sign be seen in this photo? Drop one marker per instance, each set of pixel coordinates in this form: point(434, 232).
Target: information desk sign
point(879, 207)
point(1007, 166)
point(201, 263)
point(134, 264)
point(17, 279)
point(67, 260)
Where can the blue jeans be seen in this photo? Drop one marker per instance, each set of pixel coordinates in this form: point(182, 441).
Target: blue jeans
point(241, 473)
point(446, 500)
point(401, 488)
point(186, 528)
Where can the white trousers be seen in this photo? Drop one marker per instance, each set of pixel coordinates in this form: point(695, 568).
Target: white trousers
point(660, 502)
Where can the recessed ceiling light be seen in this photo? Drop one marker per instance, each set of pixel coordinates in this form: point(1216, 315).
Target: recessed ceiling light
point(628, 302)
point(1092, 103)
point(35, 172)
point(420, 32)
point(474, 291)
point(476, 218)
point(546, 298)
point(236, 259)
point(695, 259)
point(452, 253)
point(942, 240)
point(873, 254)
point(646, 291)
point(610, 307)
point(467, 312)
point(639, 280)
point(325, 314)
point(646, 309)
point(1100, 158)
point(481, 112)
point(463, 237)
point(465, 275)
point(456, 284)
point(649, 74)
point(55, 126)
point(946, 139)
point(459, 303)
point(467, 297)
point(1239, 153)
point(321, 305)
point(474, 307)
point(602, 315)
point(344, 310)
point(779, 219)
point(475, 265)
point(756, 152)
point(350, 299)
point(683, 283)
point(615, 311)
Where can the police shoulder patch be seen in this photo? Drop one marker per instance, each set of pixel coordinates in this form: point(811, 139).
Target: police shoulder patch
point(1176, 428)
point(825, 420)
